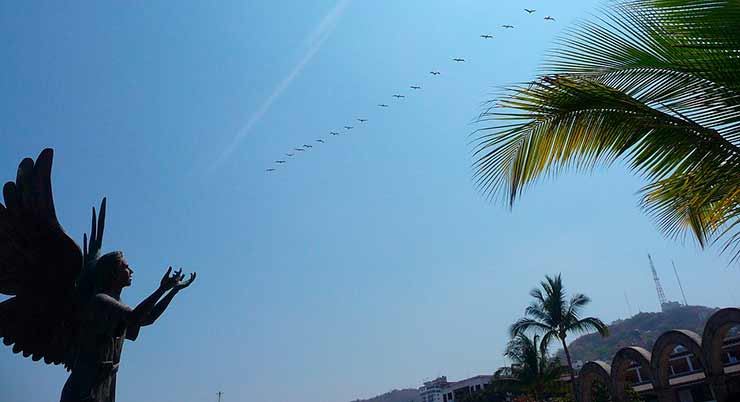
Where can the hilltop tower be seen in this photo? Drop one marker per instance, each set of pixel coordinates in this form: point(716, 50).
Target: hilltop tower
point(665, 305)
point(658, 287)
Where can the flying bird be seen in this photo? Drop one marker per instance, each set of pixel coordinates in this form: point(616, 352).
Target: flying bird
point(383, 105)
point(299, 149)
point(415, 87)
point(281, 161)
point(362, 120)
point(333, 133)
point(486, 36)
point(321, 141)
point(529, 11)
point(434, 73)
point(549, 18)
point(289, 155)
point(507, 26)
point(398, 96)
point(459, 60)
point(348, 127)
point(270, 170)
point(307, 146)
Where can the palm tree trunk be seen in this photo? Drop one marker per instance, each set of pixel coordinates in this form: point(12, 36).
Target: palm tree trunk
point(573, 386)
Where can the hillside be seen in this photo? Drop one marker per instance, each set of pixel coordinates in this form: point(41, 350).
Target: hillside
point(639, 330)
point(397, 395)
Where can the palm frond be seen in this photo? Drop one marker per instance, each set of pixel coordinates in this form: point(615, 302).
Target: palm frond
point(589, 324)
point(576, 303)
point(692, 37)
point(578, 123)
point(549, 337)
point(664, 96)
point(538, 312)
point(524, 325)
point(532, 370)
point(705, 202)
point(537, 295)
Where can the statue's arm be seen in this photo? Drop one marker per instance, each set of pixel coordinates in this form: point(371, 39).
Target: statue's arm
point(162, 304)
point(144, 309)
point(159, 308)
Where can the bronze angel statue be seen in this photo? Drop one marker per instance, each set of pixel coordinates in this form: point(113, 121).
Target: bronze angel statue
point(66, 302)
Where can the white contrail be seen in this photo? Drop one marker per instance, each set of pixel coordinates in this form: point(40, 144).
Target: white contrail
point(312, 43)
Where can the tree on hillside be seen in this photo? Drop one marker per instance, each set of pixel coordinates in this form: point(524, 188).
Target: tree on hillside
point(554, 316)
point(532, 372)
point(654, 83)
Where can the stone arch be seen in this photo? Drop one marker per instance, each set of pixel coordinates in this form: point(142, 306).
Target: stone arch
point(591, 372)
point(663, 348)
point(713, 337)
point(715, 331)
point(621, 362)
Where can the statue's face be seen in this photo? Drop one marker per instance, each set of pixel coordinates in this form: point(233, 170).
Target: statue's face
point(124, 274)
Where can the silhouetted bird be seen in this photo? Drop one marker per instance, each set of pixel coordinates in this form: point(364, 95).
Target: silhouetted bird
point(459, 60)
point(383, 105)
point(307, 146)
point(333, 133)
point(289, 155)
point(348, 127)
point(299, 149)
point(529, 11)
point(279, 161)
point(415, 87)
point(270, 170)
point(362, 120)
point(435, 73)
point(508, 26)
point(549, 18)
point(321, 141)
point(398, 96)
point(486, 36)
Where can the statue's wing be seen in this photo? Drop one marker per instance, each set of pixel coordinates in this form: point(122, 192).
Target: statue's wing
point(39, 264)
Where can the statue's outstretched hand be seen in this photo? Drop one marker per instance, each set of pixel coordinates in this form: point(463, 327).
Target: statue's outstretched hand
point(170, 281)
point(182, 284)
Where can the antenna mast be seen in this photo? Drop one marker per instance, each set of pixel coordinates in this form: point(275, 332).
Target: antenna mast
point(679, 283)
point(629, 306)
point(658, 287)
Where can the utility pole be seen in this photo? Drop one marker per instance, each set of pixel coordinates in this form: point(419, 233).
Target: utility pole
point(219, 393)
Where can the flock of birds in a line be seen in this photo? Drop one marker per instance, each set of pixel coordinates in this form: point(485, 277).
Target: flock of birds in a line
point(306, 147)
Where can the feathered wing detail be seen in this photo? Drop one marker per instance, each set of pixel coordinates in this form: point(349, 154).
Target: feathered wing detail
point(39, 266)
point(85, 285)
point(90, 255)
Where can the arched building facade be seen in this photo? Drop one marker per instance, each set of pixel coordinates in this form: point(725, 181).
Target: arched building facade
point(682, 366)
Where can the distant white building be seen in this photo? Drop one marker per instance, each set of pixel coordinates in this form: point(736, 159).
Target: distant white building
point(456, 390)
point(431, 391)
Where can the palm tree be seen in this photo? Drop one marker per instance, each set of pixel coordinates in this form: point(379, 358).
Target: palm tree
point(551, 315)
point(532, 371)
point(654, 83)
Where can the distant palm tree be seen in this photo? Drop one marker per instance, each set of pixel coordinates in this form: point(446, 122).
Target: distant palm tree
point(532, 371)
point(553, 316)
point(654, 83)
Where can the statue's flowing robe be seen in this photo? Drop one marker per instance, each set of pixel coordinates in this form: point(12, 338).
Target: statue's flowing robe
point(104, 328)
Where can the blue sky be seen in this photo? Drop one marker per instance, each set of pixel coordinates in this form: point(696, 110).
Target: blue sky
point(368, 263)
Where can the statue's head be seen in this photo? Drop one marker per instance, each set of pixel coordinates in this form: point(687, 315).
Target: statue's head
point(112, 272)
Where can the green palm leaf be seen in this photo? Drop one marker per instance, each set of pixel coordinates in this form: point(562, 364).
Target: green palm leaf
point(664, 96)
